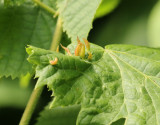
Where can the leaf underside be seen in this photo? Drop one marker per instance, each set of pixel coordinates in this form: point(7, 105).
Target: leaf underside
point(121, 81)
point(77, 16)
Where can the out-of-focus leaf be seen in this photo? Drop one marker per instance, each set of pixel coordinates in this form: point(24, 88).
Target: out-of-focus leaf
point(59, 116)
point(12, 95)
point(106, 7)
point(127, 24)
point(154, 26)
point(20, 26)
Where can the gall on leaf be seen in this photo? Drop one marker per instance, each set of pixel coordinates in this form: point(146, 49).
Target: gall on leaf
point(67, 50)
point(54, 62)
point(87, 44)
point(80, 49)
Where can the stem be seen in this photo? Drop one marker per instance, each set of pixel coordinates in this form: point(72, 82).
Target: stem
point(37, 92)
point(31, 106)
point(47, 8)
point(57, 35)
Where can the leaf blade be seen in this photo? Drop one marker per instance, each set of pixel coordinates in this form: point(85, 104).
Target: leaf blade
point(77, 16)
point(122, 83)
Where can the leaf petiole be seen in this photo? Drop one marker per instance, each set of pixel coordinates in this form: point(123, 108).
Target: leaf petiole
point(44, 6)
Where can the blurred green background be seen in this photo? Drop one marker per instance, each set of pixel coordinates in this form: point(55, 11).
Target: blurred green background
point(130, 22)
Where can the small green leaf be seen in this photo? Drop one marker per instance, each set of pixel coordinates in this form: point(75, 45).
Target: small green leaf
point(121, 81)
point(59, 116)
point(106, 7)
point(77, 16)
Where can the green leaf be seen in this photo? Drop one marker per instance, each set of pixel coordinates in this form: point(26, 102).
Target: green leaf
point(59, 116)
point(20, 26)
point(10, 91)
point(154, 26)
point(77, 16)
point(106, 7)
point(121, 81)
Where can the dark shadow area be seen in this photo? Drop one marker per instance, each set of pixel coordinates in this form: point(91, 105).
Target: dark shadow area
point(12, 115)
point(119, 122)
